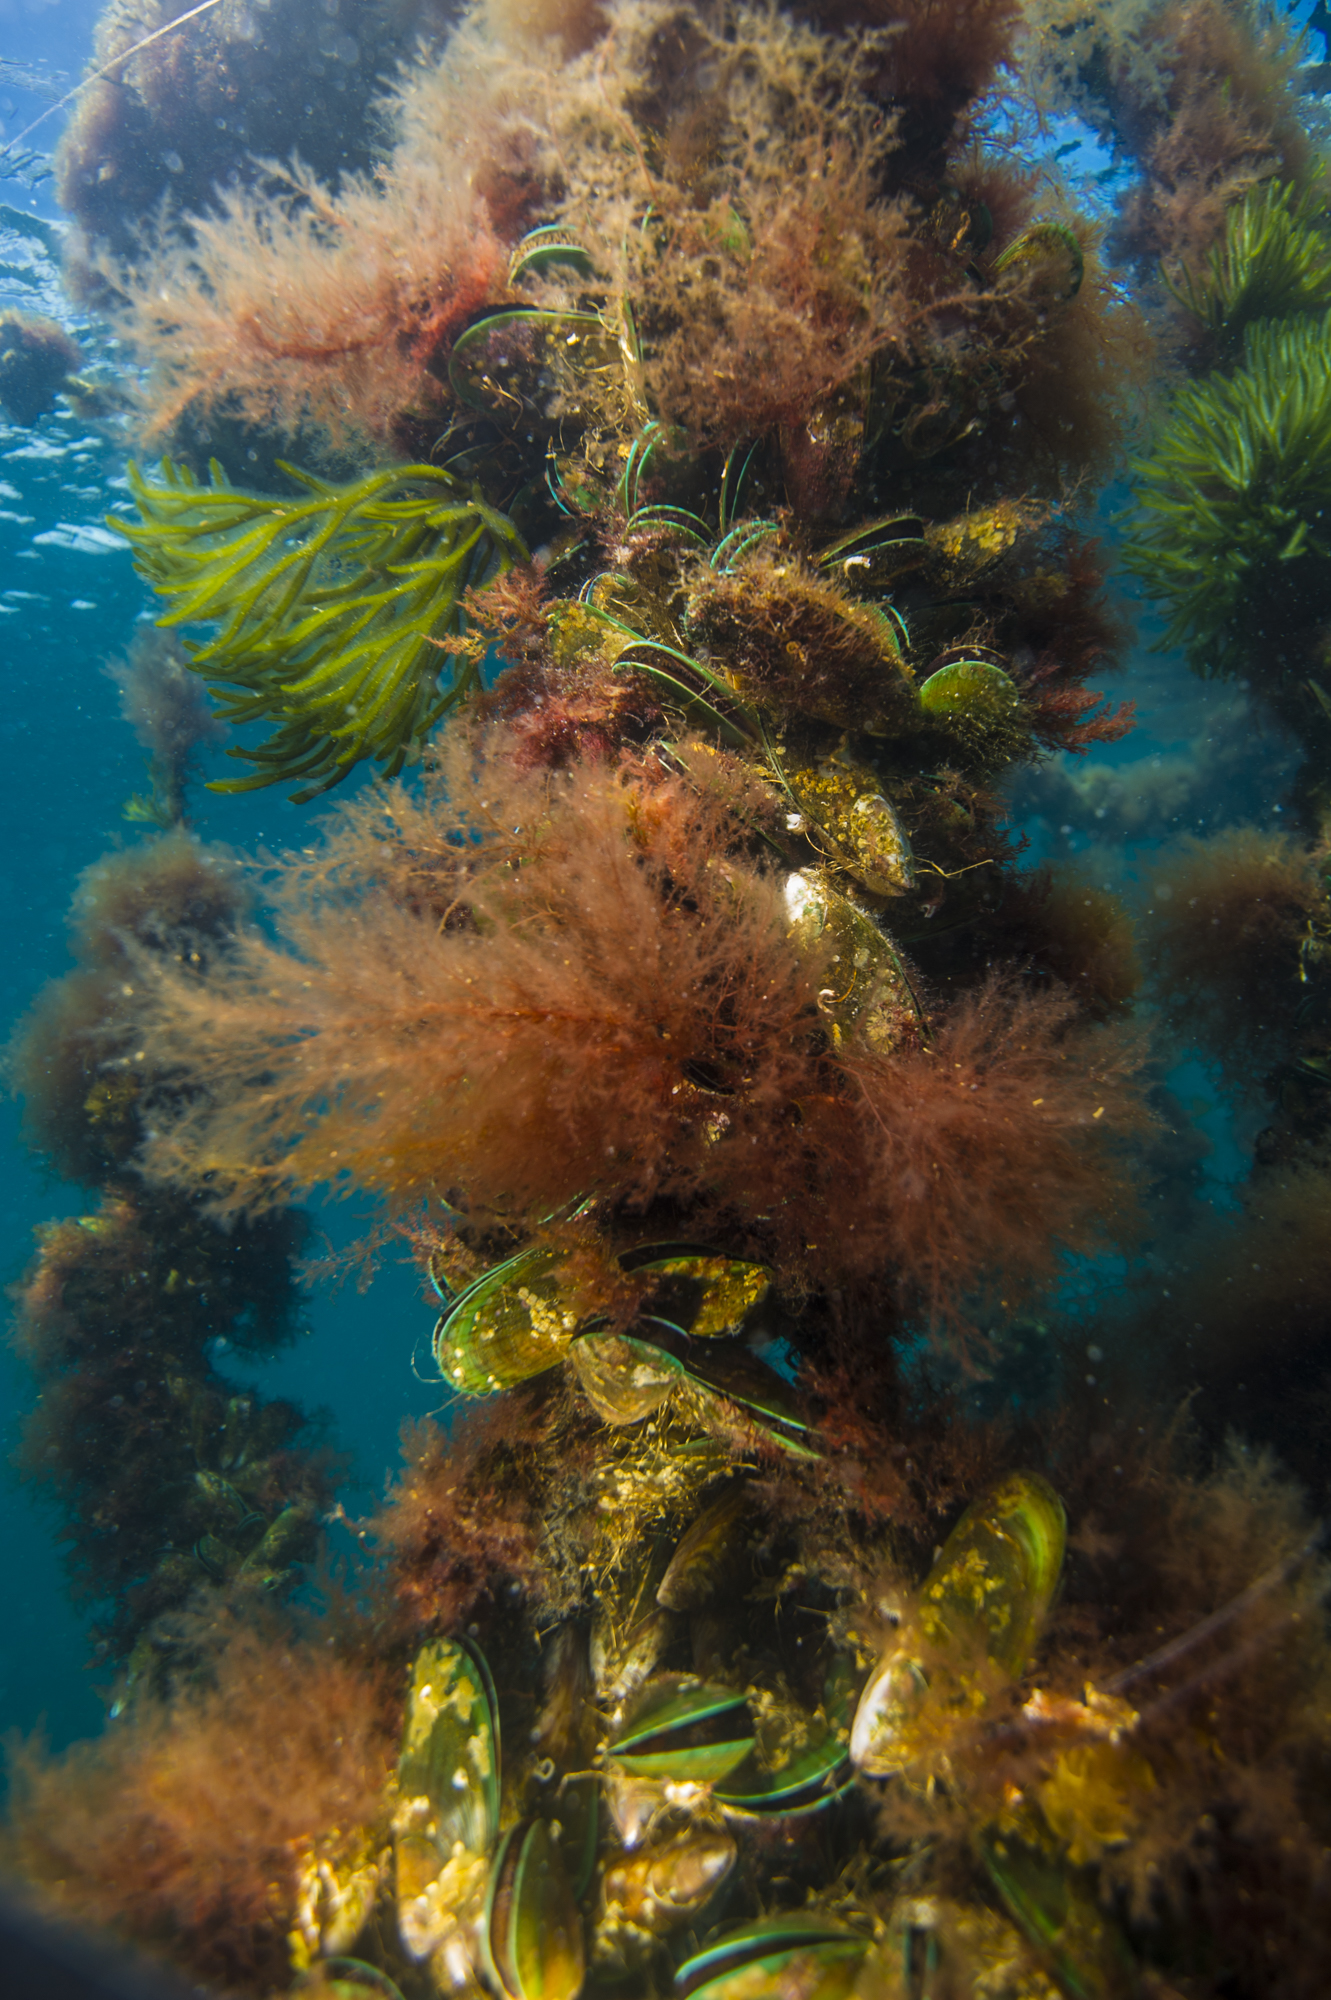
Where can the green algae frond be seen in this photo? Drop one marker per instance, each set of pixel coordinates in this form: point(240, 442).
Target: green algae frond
point(335, 607)
point(1273, 262)
point(1232, 531)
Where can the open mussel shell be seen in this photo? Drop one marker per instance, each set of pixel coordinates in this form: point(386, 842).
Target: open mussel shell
point(741, 541)
point(801, 1763)
point(532, 1945)
point(701, 1290)
point(509, 1325)
point(815, 1777)
point(510, 363)
point(727, 1369)
point(677, 523)
point(576, 486)
point(691, 691)
point(683, 1730)
point(1048, 258)
point(876, 553)
point(997, 1572)
point(549, 248)
point(623, 600)
point(661, 472)
point(796, 1954)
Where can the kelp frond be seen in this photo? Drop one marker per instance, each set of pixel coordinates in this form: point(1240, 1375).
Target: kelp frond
point(1272, 263)
point(334, 607)
point(1233, 521)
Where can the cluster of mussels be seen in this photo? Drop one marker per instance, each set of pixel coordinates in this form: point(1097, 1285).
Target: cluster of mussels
point(747, 1764)
point(650, 1802)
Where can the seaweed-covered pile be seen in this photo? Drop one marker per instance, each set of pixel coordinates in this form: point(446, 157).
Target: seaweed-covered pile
point(821, 1596)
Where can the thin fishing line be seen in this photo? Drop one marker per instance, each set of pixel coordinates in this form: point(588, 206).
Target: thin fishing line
point(98, 74)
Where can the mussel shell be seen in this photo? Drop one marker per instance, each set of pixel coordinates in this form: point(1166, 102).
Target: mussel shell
point(508, 363)
point(623, 1379)
point(807, 1955)
point(1058, 1911)
point(881, 847)
point(336, 1896)
point(986, 1597)
point(997, 1572)
point(741, 540)
point(969, 687)
point(438, 1904)
point(448, 1785)
point(680, 522)
point(579, 1817)
point(508, 1326)
point(623, 1661)
point(661, 470)
point(1049, 256)
point(576, 487)
point(532, 1944)
point(876, 553)
point(817, 1777)
point(683, 1729)
point(872, 994)
point(862, 831)
point(664, 1883)
point(806, 1776)
point(450, 1745)
point(731, 1370)
point(711, 1555)
point(723, 1289)
point(978, 703)
point(969, 655)
point(627, 1376)
point(550, 247)
point(892, 1694)
point(634, 612)
point(690, 691)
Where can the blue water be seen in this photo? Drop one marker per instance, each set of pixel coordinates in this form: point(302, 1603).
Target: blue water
point(69, 600)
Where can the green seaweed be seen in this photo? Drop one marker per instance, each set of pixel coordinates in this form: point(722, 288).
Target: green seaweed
point(1273, 262)
point(334, 607)
point(1232, 528)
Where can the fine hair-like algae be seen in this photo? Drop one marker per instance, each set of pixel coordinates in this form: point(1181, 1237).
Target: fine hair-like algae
point(656, 466)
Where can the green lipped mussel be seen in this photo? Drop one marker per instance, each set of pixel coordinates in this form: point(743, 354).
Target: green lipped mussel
point(980, 1611)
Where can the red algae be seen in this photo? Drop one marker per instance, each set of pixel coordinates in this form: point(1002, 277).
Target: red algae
point(1234, 921)
point(831, 1333)
point(434, 1012)
point(187, 1827)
